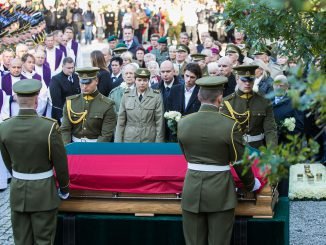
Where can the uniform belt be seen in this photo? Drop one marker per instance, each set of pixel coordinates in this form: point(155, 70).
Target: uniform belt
point(75, 139)
point(249, 138)
point(36, 176)
point(208, 167)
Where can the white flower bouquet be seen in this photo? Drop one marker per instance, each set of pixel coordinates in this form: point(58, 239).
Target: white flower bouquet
point(172, 118)
point(289, 123)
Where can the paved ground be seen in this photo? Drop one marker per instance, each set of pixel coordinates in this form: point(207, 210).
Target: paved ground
point(307, 222)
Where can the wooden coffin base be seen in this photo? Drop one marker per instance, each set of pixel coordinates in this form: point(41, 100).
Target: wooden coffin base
point(257, 206)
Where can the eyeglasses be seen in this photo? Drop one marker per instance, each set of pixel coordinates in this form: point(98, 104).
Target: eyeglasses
point(222, 65)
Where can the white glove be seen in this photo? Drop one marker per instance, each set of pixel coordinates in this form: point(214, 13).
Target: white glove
point(257, 185)
point(63, 196)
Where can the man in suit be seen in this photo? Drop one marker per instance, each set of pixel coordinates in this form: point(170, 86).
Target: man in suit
point(183, 97)
point(208, 196)
point(225, 69)
point(88, 116)
point(130, 40)
point(116, 75)
point(33, 194)
point(168, 80)
point(65, 84)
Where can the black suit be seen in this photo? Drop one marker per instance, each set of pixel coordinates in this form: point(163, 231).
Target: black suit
point(164, 91)
point(176, 100)
point(115, 82)
point(229, 87)
point(104, 85)
point(60, 88)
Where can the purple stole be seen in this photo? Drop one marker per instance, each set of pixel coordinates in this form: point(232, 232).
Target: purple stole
point(37, 77)
point(58, 57)
point(74, 47)
point(6, 83)
point(63, 49)
point(1, 99)
point(46, 74)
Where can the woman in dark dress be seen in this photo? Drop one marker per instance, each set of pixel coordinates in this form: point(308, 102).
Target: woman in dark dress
point(104, 76)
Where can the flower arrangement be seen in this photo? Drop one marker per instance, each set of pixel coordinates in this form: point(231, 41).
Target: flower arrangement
point(289, 123)
point(172, 118)
point(304, 188)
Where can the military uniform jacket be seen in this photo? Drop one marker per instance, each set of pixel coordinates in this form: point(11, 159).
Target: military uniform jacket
point(99, 122)
point(261, 118)
point(209, 141)
point(140, 121)
point(33, 144)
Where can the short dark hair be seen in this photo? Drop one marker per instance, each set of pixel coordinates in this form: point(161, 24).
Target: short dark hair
point(194, 68)
point(209, 95)
point(69, 28)
point(141, 48)
point(25, 57)
point(128, 27)
point(67, 60)
point(117, 59)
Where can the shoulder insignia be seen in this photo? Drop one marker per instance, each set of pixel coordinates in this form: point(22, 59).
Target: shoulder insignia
point(157, 91)
point(73, 97)
point(50, 119)
point(230, 96)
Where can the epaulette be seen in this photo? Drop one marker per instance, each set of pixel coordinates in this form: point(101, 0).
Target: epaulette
point(157, 91)
point(230, 96)
point(73, 97)
point(50, 119)
point(107, 100)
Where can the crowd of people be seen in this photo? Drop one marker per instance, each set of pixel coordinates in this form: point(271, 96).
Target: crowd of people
point(123, 96)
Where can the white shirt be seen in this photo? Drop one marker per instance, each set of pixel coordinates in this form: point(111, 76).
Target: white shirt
point(79, 57)
point(50, 58)
point(39, 70)
point(188, 94)
point(256, 83)
point(169, 85)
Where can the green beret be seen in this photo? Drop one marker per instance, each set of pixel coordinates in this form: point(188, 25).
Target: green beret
point(142, 72)
point(120, 48)
point(212, 82)
point(246, 71)
point(86, 74)
point(198, 57)
point(262, 49)
point(27, 87)
point(163, 40)
point(112, 38)
point(183, 48)
point(232, 48)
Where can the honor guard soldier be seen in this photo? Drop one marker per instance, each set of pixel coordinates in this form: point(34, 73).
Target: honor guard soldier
point(253, 112)
point(200, 60)
point(89, 116)
point(208, 196)
point(30, 156)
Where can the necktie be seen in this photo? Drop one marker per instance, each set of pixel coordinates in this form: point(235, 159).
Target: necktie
point(70, 79)
point(167, 91)
point(140, 97)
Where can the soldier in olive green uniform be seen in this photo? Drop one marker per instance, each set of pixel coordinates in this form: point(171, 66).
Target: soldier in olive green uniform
point(253, 112)
point(210, 141)
point(200, 60)
point(140, 117)
point(31, 146)
point(89, 116)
